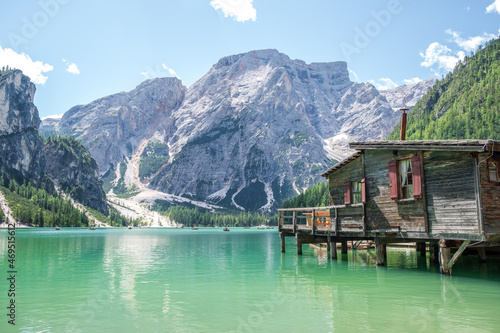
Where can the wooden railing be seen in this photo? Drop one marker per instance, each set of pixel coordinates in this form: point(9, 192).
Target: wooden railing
point(329, 219)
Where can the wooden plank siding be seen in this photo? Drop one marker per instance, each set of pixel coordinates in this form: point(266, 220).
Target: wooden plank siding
point(451, 194)
point(490, 197)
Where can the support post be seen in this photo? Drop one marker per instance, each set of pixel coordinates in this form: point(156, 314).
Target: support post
point(299, 244)
point(434, 253)
point(343, 247)
point(282, 236)
point(421, 247)
point(481, 252)
point(381, 251)
point(294, 221)
point(445, 254)
point(333, 250)
point(313, 222)
point(328, 245)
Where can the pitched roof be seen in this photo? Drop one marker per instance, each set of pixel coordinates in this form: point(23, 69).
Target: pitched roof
point(342, 163)
point(449, 145)
point(457, 145)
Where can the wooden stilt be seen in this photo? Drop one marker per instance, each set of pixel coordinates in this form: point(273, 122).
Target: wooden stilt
point(421, 247)
point(381, 251)
point(481, 252)
point(445, 254)
point(328, 246)
point(299, 244)
point(343, 247)
point(434, 253)
point(282, 236)
point(333, 250)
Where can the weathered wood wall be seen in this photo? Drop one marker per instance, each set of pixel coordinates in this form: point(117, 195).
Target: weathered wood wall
point(451, 193)
point(490, 197)
point(382, 212)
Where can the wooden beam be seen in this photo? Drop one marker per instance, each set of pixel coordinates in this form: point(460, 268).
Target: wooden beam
point(424, 191)
point(458, 253)
point(294, 221)
point(477, 183)
point(298, 241)
point(445, 254)
point(282, 236)
point(481, 252)
point(343, 247)
point(381, 251)
point(313, 222)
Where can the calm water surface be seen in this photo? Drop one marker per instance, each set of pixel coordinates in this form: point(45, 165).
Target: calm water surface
point(181, 280)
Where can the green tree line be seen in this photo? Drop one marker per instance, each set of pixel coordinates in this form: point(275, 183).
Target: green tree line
point(198, 217)
point(316, 195)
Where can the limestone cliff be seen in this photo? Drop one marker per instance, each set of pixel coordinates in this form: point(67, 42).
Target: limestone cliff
point(72, 168)
point(21, 153)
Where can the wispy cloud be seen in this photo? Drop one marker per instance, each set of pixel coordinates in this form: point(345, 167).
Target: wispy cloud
point(441, 59)
point(384, 83)
point(471, 43)
point(33, 69)
point(494, 7)
point(240, 10)
point(354, 74)
point(412, 81)
point(160, 71)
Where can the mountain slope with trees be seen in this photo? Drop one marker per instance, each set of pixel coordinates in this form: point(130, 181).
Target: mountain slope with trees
point(464, 105)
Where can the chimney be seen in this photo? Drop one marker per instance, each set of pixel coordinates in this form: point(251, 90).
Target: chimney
point(403, 123)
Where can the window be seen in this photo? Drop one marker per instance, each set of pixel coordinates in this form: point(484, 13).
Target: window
point(354, 192)
point(493, 171)
point(405, 181)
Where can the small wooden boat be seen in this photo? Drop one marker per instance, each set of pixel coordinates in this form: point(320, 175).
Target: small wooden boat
point(194, 228)
point(130, 227)
point(92, 228)
point(225, 229)
point(57, 228)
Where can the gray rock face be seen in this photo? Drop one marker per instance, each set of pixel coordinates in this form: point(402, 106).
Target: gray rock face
point(112, 127)
point(72, 168)
point(21, 153)
point(407, 95)
point(255, 129)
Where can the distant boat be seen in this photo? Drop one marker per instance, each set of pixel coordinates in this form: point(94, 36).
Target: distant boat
point(130, 227)
point(225, 229)
point(261, 227)
point(57, 228)
point(269, 228)
point(194, 228)
point(246, 227)
point(92, 228)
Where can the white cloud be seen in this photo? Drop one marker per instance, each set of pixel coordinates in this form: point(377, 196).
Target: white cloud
point(33, 69)
point(494, 7)
point(472, 43)
point(384, 83)
point(73, 69)
point(440, 55)
point(160, 71)
point(354, 74)
point(240, 10)
point(170, 71)
point(412, 81)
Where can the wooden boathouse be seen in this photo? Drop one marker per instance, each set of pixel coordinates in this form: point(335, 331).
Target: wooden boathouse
point(440, 194)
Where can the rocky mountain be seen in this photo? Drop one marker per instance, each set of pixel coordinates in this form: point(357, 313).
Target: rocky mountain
point(407, 95)
point(112, 127)
point(24, 157)
point(21, 148)
point(256, 128)
point(71, 167)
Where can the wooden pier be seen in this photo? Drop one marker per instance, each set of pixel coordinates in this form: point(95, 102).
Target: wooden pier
point(441, 195)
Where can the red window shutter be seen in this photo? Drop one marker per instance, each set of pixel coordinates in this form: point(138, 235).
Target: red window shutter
point(417, 178)
point(393, 180)
point(347, 193)
point(363, 190)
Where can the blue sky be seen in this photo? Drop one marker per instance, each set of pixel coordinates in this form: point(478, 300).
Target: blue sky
point(77, 51)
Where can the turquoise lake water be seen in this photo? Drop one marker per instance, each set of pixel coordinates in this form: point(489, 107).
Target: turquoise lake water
point(182, 280)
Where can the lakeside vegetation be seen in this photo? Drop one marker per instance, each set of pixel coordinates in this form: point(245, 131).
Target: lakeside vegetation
point(199, 217)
